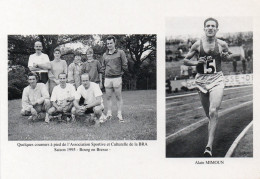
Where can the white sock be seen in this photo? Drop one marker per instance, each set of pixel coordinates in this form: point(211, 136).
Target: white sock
point(119, 113)
point(109, 113)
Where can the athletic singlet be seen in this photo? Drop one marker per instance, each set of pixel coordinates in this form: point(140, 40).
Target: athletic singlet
point(212, 58)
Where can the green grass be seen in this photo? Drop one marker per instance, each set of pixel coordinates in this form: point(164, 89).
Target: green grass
point(139, 112)
point(245, 146)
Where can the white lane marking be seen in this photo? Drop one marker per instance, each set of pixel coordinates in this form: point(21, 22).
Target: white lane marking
point(191, 94)
point(239, 137)
point(197, 124)
point(173, 103)
point(201, 107)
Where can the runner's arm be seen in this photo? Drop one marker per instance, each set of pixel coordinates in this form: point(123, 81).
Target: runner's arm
point(95, 103)
point(44, 66)
point(190, 54)
point(76, 103)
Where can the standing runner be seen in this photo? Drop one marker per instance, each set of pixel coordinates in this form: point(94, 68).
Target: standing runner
point(39, 63)
point(114, 64)
point(209, 78)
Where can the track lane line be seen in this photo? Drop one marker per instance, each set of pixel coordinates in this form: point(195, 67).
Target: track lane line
point(201, 107)
point(237, 140)
point(191, 94)
point(170, 138)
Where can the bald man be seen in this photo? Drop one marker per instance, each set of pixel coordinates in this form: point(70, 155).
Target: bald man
point(39, 63)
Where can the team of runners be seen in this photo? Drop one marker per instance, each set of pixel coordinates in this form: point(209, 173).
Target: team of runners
point(67, 92)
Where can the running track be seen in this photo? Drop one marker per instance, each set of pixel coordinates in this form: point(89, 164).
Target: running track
point(185, 111)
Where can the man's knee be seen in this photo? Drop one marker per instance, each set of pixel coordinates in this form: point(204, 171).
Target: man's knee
point(97, 110)
point(213, 112)
point(25, 113)
point(51, 110)
point(73, 110)
point(47, 102)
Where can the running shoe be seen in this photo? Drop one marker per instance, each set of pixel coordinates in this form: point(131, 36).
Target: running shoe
point(47, 119)
point(108, 117)
point(102, 118)
point(120, 118)
point(207, 152)
point(73, 118)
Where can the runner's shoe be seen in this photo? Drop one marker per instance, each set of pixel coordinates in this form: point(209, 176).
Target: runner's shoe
point(73, 118)
point(120, 118)
point(207, 152)
point(47, 119)
point(108, 117)
point(102, 118)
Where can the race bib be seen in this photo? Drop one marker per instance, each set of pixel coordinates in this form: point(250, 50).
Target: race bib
point(210, 65)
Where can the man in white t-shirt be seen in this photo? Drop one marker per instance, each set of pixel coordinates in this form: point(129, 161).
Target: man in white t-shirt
point(39, 63)
point(62, 98)
point(93, 102)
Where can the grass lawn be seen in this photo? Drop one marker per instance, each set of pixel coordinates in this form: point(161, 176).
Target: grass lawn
point(139, 112)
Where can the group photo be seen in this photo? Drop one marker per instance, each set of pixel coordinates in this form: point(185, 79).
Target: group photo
point(209, 87)
point(82, 87)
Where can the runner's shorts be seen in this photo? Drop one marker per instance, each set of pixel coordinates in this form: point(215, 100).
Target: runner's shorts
point(207, 82)
point(113, 82)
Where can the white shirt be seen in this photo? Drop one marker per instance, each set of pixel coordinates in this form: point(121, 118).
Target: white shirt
point(38, 59)
point(89, 94)
point(60, 95)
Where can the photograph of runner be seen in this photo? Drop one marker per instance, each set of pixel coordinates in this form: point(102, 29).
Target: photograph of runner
point(205, 62)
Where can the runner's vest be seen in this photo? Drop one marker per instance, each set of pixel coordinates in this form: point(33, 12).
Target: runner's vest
point(212, 58)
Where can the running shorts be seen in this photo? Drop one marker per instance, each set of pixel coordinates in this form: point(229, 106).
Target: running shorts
point(207, 82)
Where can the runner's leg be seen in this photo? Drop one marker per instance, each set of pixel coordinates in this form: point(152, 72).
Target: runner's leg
point(204, 98)
point(215, 98)
point(109, 92)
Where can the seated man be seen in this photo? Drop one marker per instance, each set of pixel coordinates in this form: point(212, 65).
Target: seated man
point(93, 103)
point(62, 97)
point(35, 98)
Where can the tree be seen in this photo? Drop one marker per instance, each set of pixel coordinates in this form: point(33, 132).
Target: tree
point(20, 46)
point(140, 48)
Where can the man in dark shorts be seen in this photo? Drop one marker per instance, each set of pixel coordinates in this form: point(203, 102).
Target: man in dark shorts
point(39, 63)
point(209, 79)
point(93, 102)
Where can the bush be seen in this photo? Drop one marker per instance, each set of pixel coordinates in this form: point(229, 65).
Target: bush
point(16, 82)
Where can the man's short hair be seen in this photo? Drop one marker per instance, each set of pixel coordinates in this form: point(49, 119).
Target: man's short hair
point(32, 74)
point(62, 74)
point(57, 50)
point(111, 37)
point(77, 54)
point(85, 74)
point(211, 19)
point(38, 42)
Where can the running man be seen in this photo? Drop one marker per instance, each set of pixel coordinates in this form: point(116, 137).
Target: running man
point(209, 78)
point(93, 102)
point(39, 63)
point(62, 98)
point(35, 99)
point(114, 64)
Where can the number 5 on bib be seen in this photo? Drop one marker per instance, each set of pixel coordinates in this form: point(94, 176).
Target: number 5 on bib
point(210, 66)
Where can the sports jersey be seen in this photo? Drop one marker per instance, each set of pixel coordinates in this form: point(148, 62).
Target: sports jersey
point(212, 58)
point(93, 68)
point(89, 94)
point(114, 64)
point(38, 59)
point(60, 95)
point(30, 95)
